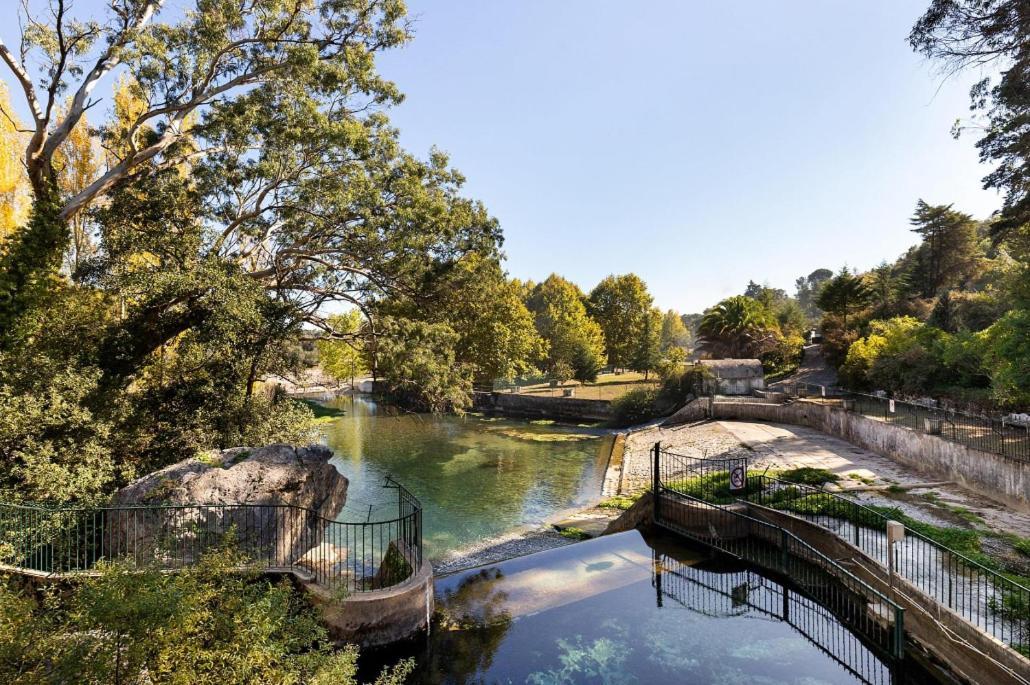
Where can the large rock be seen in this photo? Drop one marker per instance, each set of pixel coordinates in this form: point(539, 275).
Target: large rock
point(276, 502)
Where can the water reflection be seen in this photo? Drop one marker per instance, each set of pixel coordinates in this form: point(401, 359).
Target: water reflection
point(476, 476)
point(623, 609)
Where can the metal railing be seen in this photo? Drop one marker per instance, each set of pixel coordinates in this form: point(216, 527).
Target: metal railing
point(680, 505)
point(61, 541)
point(748, 593)
point(988, 599)
point(976, 432)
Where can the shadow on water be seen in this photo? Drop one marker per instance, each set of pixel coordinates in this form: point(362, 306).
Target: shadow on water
point(629, 609)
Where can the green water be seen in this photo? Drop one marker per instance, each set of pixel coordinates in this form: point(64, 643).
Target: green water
point(477, 477)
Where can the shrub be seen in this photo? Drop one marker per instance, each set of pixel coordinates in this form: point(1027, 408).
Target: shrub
point(636, 406)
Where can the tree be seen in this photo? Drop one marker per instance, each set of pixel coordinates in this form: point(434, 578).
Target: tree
point(674, 333)
point(948, 247)
point(562, 320)
point(276, 110)
point(808, 288)
point(738, 327)
point(648, 351)
point(622, 306)
point(343, 359)
point(498, 339)
point(844, 294)
point(885, 287)
point(76, 163)
point(991, 36)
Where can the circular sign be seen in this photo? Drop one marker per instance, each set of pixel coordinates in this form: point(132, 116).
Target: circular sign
point(738, 477)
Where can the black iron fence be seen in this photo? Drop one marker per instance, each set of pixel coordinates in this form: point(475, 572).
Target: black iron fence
point(342, 556)
point(992, 601)
point(979, 432)
point(683, 487)
point(746, 592)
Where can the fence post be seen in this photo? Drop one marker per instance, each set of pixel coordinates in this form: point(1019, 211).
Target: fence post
point(899, 633)
point(656, 480)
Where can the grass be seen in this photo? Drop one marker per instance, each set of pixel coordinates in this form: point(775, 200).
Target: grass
point(806, 475)
point(321, 411)
point(608, 386)
point(620, 502)
point(573, 533)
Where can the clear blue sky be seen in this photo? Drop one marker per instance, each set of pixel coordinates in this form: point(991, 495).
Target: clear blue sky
point(698, 144)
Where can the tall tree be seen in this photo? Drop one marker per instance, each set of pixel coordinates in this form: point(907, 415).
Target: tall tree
point(573, 337)
point(948, 247)
point(648, 352)
point(807, 290)
point(278, 111)
point(844, 294)
point(738, 327)
point(990, 36)
point(674, 333)
point(621, 305)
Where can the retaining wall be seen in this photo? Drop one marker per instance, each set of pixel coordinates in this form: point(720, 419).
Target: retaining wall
point(537, 406)
point(992, 475)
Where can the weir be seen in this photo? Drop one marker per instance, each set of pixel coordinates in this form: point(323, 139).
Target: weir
point(912, 593)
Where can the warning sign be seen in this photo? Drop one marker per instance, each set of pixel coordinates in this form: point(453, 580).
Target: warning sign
point(738, 478)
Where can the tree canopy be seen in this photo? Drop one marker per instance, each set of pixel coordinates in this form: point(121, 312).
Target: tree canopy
point(621, 305)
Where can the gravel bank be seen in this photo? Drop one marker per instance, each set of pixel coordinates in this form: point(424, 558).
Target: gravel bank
point(703, 439)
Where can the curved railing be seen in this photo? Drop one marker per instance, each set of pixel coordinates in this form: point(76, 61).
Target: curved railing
point(58, 541)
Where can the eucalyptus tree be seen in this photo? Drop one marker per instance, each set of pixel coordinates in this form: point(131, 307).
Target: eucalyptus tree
point(257, 159)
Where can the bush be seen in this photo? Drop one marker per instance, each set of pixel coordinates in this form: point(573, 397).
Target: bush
point(636, 406)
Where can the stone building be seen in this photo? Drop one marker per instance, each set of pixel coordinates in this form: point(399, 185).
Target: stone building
point(734, 376)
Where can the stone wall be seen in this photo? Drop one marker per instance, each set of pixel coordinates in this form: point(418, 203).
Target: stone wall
point(992, 475)
point(537, 406)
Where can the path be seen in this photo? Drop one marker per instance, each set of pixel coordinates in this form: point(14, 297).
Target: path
point(813, 369)
point(783, 446)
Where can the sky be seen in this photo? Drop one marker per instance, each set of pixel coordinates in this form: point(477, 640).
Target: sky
point(698, 144)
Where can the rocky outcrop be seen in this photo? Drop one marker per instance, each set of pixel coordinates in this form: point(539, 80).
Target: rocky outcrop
point(273, 500)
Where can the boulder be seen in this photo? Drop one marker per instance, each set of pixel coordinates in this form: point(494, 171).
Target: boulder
point(274, 501)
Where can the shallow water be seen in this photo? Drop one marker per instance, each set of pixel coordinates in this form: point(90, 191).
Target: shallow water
point(624, 609)
point(477, 477)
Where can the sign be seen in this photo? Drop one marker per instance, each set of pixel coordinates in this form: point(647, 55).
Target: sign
point(738, 478)
point(892, 406)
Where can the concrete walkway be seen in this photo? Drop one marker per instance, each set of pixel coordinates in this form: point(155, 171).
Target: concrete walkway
point(779, 446)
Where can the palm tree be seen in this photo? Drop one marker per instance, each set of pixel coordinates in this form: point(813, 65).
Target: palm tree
point(738, 327)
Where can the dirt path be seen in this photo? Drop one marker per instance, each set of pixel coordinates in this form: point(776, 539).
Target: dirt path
point(813, 369)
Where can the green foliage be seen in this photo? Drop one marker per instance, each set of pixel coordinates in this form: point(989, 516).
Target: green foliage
point(674, 333)
point(738, 327)
point(209, 623)
point(343, 357)
point(562, 321)
point(622, 307)
point(844, 294)
point(807, 475)
point(634, 407)
point(1006, 358)
point(947, 254)
point(647, 351)
point(622, 502)
point(418, 362)
point(573, 533)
